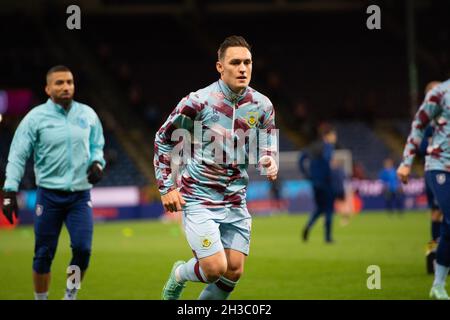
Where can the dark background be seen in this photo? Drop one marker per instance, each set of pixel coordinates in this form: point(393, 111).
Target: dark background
point(316, 60)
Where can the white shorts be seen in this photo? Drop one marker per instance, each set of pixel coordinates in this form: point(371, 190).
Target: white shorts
point(210, 230)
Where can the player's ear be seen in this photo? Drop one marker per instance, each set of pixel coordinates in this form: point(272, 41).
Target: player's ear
point(47, 90)
point(219, 67)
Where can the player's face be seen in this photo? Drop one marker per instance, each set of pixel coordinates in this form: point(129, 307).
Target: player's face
point(430, 86)
point(60, 87)
point(236, 68)
point(331, 137)
point(388, 163)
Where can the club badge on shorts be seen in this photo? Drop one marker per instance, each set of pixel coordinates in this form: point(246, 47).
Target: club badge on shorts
point(206, 242)
point(440, 178)
point(39, 210)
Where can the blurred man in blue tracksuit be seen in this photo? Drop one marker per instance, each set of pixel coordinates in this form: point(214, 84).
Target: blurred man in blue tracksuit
point(393, 192)
point(315, 164)
point(66, 140)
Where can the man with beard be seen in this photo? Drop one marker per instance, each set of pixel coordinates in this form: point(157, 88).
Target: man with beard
point(66, 140)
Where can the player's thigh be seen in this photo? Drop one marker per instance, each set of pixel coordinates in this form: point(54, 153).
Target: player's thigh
point(80, 221)
point(431, 199)
point(329, 201)
point(236, 233)
point(48, 219)
point(321, 198)
point(318, 195)
point(201, 227)
point(440, 185)
point(235, 261)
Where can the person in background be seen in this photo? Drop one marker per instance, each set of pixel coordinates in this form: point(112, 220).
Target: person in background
point(436, 213)
point(315, 164)
point(434, 109)
point(66, 139)
point(393, 192)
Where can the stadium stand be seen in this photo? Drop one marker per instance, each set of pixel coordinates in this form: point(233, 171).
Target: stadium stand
point(114, 72)
point(365, 146)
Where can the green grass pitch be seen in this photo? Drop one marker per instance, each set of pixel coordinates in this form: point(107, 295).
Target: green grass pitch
point(132, 259)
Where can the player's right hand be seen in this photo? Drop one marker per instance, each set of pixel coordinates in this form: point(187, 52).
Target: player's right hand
point(173, 201)
point(10, 206)
point(403, 172)
point(270, 165)
point(95, 173)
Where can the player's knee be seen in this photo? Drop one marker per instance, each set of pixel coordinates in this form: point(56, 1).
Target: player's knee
point(234, 271)
point(43, 258)
point(214, 274)
point(214, 271)
point(436, 215)
point(81, 256)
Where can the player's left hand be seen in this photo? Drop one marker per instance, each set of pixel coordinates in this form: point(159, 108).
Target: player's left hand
point(403, 172)
point(95, 172)
point(9, 206)
point(271, 167)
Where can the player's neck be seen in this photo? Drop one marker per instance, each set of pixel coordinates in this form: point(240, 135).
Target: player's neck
point(236, 91)
point(64, 104)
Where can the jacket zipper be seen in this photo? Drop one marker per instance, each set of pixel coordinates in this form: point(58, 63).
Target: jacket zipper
point(232, 122)
point(69, 147)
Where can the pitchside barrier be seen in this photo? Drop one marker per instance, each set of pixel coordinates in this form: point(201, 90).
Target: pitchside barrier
point(291, 194)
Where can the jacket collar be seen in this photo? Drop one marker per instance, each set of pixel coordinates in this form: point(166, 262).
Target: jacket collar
point(229, 94)
point(59, 108)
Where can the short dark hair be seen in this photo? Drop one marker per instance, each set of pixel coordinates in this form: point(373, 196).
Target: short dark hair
point(232, 41)
point(325, 128)
point(58, 68)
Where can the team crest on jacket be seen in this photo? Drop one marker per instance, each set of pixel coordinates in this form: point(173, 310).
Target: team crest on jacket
point(39, 210)
point(252, 118)
point(82, 122)
point(440, 178)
